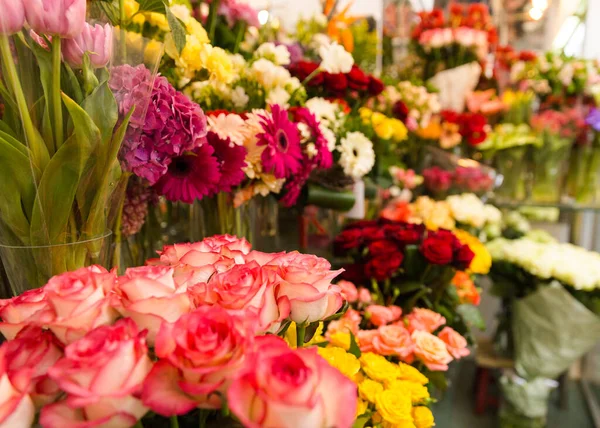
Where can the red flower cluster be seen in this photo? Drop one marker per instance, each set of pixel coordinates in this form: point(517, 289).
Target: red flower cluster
point(472, 126)
point(474, 16)
point(355, 84)
point(381, 248)
point(438, 180)
point(506, 56)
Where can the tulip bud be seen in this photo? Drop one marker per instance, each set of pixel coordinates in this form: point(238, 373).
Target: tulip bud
point(96, 40)
point(12, 16)
point(62, 18)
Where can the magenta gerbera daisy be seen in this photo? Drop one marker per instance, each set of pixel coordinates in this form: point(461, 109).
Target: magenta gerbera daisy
point(191, 176)
point(231, 158)
point(282, 155)
point(323, 157)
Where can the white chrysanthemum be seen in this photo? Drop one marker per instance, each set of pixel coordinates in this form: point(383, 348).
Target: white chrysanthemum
point(325, 111)
point(279, 96)
point(239, 98)
point(270, 75)
point(227, 126)
point(335, 59)
point(280, 55)
point(329, 136)
point(357, 154)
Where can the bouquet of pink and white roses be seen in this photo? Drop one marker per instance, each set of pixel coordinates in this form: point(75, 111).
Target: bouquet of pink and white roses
point(185, 335)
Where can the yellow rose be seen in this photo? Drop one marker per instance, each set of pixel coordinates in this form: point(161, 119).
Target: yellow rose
point(482, 262)
point(368, 390)
point(400, 131)
point(423, 417)
point(410, 373)
point(340, 339)
point(418, 393)
point(384, 129)
point(394, 408)
point(361, 407)
point(346, 363)
point(378, 368)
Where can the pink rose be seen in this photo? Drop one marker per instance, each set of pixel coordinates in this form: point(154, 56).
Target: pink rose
point(364, 295)
point(365, 340)
point(431, 351)
point(307, 285)
point(150, 295)
point(455, 343)
point(424, 320)
point(232, 243)
point(16, 407)
point(382, 315)
point(250, 287)
point(285, 388)
point(394, 340)
point(35, 350)
point(261, 258)
point(102, 373)
point(31, 307)
point(199, 354)
point(221, 244)
point(80, 300)
point(349, 291)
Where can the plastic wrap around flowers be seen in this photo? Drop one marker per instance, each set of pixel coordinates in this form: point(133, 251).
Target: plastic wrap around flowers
point(78, 348)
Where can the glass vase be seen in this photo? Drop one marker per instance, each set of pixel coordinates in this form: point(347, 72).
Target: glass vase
point(583, 177)
point(29, 267)
point(549, 166)
point(511, 163)
point(218, 216)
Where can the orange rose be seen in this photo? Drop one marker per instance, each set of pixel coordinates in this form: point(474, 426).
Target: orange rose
point(431, 351)
point(466, 289)
point(394, 340)
point(455, 343)
point(424, 320)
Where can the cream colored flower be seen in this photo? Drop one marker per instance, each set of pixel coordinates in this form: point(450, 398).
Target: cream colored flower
point(335, 59)
point(227, 126)
point(357, 154)
point(280, 55)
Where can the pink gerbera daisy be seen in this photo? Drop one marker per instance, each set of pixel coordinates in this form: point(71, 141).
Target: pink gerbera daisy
point(282, 155)
point(191, 176)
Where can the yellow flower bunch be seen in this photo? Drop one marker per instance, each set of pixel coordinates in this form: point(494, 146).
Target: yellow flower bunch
point(345, 362)
point(433, 214)
point(482, 262)
point(386, 128)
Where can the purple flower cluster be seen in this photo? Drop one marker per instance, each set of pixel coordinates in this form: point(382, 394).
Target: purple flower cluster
point(172, 125)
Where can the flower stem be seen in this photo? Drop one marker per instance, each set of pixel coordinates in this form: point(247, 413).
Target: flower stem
point(300, 333)
point(40, 152)
point(174, 422)
point(56, 97)
point(212, 20)
point(202, 417)
point(239, 36)
point(304, 82)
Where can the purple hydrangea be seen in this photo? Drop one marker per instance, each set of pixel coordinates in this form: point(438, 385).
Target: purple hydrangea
point(132, 87)
point(173, 124)
point(593, 119)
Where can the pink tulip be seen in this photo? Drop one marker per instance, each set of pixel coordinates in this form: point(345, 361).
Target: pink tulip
point(96, 40)
point(12, 17)
point(62, 18)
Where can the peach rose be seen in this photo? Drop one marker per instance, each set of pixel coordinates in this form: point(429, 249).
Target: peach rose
point(349, 291)
point(81, 302)
point(150, 295)
point(285, 388)
point(172, 254)
point(364, 295)
point(382, 315)
point(424, 320)
point(16, 406)
point(35, 350)
point(365, 340)
point(102, 374)
point(431, 351)
point(349, 322)
point(261, 258)
point(455, 343)
point(250, 287)
point(199, 354)
point(394, 340)
point(306, 283)
point(31, 307)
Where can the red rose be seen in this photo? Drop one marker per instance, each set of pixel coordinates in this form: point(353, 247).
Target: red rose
point(437, 251)
point(336, 82)
point(373, 233)
point(383, 267)
point(382, 248)
point(400, 111)
point(357, 79)
point(405, 234)
point(463, 257)
point(376, 86)
point(447, 236)
point(450, 116)
point(348, 239)
point(362, 224)
point(303, 69)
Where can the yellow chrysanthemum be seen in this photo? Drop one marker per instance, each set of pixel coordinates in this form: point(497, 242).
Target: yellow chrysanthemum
point(418, 393)
point(131, 7)
point(158, 20)
point(341, 339)
point(377, 118)
point(368, 390)
point(410, 373)
point(422, 417)
point(400, 131)
point(218, 63)
point(345, 362)
point(482, 262)
point(194, 28)
point(365, 114)
point(361, 407)
point(393, 407)
point(152, 51)
point(378, 368)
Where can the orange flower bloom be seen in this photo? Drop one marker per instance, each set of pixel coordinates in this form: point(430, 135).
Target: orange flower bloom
point(466, 289)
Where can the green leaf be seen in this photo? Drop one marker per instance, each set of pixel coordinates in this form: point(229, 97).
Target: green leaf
point(152, 6)
point(362, 420)
point(409, 286)
point(103, 110)
point(177, 28)
point(14, 142)
point(310, 331)
point(471, 315)
point(354, 349)
point(4, 127)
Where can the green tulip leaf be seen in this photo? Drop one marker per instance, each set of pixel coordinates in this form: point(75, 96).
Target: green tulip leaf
point(178, 30)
